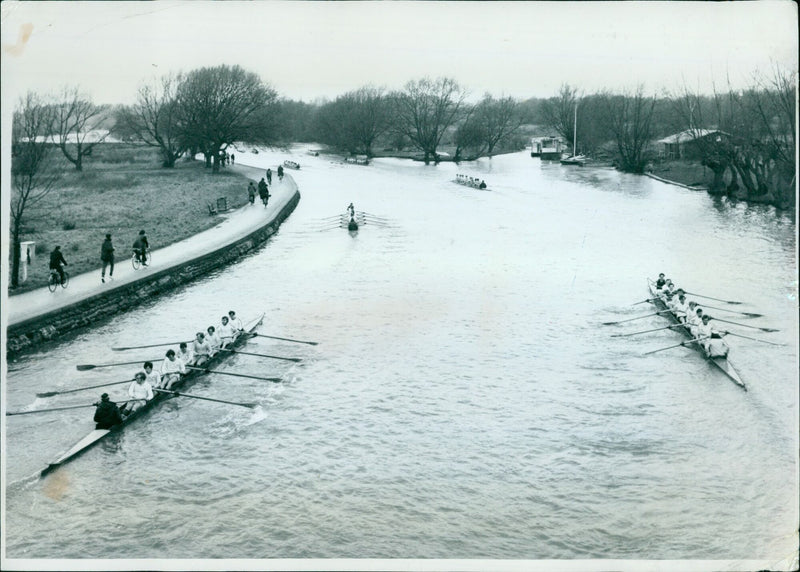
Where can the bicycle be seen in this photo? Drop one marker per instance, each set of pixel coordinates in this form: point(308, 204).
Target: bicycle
point(55, 279)
point(136, 260)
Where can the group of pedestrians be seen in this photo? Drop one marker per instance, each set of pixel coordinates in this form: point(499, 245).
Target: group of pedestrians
point(262, 190)
point(174, 366)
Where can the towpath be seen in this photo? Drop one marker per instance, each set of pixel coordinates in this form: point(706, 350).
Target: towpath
point(237, 224)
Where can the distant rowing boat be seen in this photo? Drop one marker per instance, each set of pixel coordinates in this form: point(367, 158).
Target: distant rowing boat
point(722, 363)
point(291, 165)
point(473, 182)
point(99, 434)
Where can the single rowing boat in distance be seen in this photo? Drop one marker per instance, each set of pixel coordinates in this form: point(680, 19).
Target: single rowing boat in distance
point(723, 363)
point(98, 435)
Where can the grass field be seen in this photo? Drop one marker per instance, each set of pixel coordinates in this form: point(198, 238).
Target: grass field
point(686, 172)
point(121, 190)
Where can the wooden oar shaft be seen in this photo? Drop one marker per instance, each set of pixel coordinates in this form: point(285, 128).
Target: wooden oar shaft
point(755, 339)
point(748, 314)
point(276, 379)
point(676, 345)
point(285, 339)
point(636, 318)
point(88, 366)
point(746, 325)
point(180, 394)
point(125, 348)
point(260, 355)
point(52, 393)
point(58, 408)
point(645, 331)
point(710, 298)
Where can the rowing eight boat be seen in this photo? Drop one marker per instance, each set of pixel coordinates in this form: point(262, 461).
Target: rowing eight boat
point(723, 363)
point(99, 434)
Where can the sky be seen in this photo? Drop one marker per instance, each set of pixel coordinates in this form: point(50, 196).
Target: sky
point(309, 50)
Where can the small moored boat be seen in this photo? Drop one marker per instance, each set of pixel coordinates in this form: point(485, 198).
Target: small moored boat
point(98, 435)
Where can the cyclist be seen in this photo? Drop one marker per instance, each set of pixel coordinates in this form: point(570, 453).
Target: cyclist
point(140, 247)
point(56, 260)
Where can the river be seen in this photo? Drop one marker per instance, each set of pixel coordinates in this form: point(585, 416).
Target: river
point(465, 399)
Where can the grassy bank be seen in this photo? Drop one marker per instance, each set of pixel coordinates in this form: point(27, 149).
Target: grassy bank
point(685, 172)
point(124, 189)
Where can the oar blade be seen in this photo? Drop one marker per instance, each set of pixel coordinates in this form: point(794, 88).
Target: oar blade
point(48, 394)
point(85, 367)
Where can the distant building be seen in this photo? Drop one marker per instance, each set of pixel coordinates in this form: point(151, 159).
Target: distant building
point(689, 144)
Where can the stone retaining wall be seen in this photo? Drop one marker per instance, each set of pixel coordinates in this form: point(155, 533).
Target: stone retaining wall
point(27, 334)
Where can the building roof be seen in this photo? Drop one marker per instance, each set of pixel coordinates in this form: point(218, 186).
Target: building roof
point(689, 135)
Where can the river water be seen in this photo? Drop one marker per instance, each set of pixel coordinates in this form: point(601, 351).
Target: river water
point(464, 401)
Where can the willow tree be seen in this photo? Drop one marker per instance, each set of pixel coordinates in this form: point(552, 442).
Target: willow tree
point(630, 120)
point(221, 105)
point(425, 109)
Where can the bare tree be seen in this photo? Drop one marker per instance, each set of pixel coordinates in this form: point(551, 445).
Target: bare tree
point(355, 120)
point(630, 120)
point(425, 109)
point(77, 122)
point(490, 123)
point(558, 113)
point(154, 119)
point(31, 175)
point(221, 105)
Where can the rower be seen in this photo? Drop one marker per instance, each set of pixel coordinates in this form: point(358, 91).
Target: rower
point(140, 392)
point(681, 308)
point(185, 354)
point(213, 340)
point(226, 333)
point(674, 298)
point(669, 288)
point(695, 321)
point(171, 370)
point(152, 377)
point(712, 341)
point(352, 210)
point(661, 281)
point(690, 312)
point(107, 413)
point(236, 323)
point(202, 349)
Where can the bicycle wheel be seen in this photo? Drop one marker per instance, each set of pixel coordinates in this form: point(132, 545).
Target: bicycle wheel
point(66, 279)
point(52, 282)
point(135, 262)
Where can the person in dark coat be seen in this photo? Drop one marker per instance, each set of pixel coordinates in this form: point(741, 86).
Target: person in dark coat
point(107, 413)
point(107, 257)
point(56, 260)
point(263, 191)
point(280, 172)
point(269, 176)
point(140, 246)
point(251, 193)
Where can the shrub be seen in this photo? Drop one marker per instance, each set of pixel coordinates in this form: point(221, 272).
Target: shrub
point(68, 225)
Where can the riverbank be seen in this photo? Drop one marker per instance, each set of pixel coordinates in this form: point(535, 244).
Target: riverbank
point(38, 316)
point(122, 190)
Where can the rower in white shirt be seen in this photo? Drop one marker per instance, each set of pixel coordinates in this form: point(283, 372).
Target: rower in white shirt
point(226, 333)
point(213, 340)
point(152, 377)
point(185, 354)
point(668, 289)
point(690, 312)
point(201, 349)
point(171, 370)
point(711, 340)
point(695, 320)
point(236, 323)
point(680, 307)
point(140, 391)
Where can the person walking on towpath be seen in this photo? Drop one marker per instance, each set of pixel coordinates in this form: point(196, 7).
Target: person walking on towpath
point(251, 193)
point(140, 247)
point(56, 260)
point(107, 413)
point(280, 172)
point(263, 191)
point(269, 176)
point(107, 257)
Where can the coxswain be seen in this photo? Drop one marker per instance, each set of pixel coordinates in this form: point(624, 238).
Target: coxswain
point(107, 413)
point(661, 281)
point(140, 391)
point(352, 225)
point(711, 341)
point(213, 340)
point(185, 354)
point(226, 333)
point(482, 185)
point(236, 323)
point(202, 349)
point(171, 370)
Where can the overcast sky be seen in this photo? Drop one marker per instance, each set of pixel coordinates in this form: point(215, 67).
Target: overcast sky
point(311, 49)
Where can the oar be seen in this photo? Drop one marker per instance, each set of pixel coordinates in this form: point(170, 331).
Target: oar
point(748, 314)
point(122, 349)
point(58, 408)
point(52, 393)
point(261, 355)
point(755, 339)
point(632, 319)
point(642, 302)
point(710, 298)
point(284, 339)
point(645, 331)
point(88, 366)
point(205, 369)
point(675, 346)
point(746, 326)
point(176, 394)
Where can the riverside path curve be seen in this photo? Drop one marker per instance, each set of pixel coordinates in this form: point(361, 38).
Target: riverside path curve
point(40, 315)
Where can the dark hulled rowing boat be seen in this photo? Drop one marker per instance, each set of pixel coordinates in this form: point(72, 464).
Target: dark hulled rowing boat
point(723, 363)
point(99, 434)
